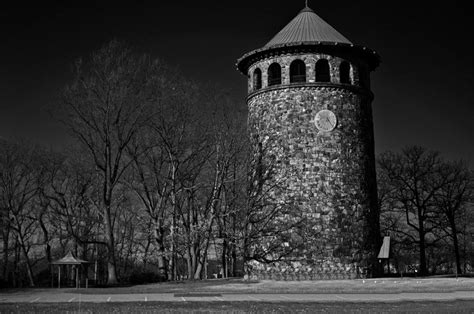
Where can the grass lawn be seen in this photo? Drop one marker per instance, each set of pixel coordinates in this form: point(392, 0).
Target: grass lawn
point(241, 307)
point(381, 285)
point(236, 286)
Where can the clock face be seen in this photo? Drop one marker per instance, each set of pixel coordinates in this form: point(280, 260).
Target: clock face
point(325, 120)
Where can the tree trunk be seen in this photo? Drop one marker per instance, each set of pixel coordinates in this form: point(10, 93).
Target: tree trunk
point(16, 281)
point(224, 258)
point(48, 257)
point(111, 269)
point(421, 232)
point(172, 259)
point(193, 262)
point(234, 247)
point(109, 234)
point(246, 244)
point(456, 245)
point(47, 248)
point(189, 263)
point(29, 270)
point(234, 260)
point(172, 263)
point(197, 273)
point(200, 260)
point(161, 251)
point(145, 253)
point(6, 238)
point(172, 268)
point(201, 256)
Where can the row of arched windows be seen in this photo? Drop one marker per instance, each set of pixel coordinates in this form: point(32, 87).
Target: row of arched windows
point(298, 73)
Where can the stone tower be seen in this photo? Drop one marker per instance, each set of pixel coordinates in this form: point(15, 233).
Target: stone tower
point(309, 102)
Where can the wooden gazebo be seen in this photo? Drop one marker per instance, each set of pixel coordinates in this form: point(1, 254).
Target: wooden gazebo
point(70, 260)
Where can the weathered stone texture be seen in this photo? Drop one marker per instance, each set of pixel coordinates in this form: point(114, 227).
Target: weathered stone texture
point(310, 60)
point(329, 176)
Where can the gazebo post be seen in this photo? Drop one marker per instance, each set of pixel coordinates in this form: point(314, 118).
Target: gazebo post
point(77, 276)
point(59, 276)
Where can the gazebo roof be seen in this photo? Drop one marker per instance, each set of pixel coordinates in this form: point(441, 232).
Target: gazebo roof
point(69, 259)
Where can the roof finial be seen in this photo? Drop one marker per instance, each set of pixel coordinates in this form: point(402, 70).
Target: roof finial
point(306, 8)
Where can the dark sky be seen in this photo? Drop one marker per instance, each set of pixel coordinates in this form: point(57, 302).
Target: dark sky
point(424, 87)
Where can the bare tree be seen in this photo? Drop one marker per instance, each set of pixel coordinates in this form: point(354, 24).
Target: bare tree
point(413, 182)
point(149, 182)
point(49, 163)
point(233, 200)
point(130, 234)
point(70, 193)
point(195, 179)
point(5, 226)
point(18, 188)
point(452, 200)
point(157, 158)
point(224, 145)
point(106, 106)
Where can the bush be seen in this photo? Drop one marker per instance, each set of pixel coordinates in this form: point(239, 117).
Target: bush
point(43, 278)
point(138, 277)
point(3, 284)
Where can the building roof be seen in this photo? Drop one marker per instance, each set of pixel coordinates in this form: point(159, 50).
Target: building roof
point(308, 31)
point(385, 249)
point(307, 26)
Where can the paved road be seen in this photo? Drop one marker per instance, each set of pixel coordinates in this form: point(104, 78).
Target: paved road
point(60, 297)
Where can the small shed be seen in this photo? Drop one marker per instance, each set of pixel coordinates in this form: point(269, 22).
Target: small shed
point(71, 261)
point(384, 253)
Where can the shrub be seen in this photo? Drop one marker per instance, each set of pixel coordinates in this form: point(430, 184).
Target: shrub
point(138, 277)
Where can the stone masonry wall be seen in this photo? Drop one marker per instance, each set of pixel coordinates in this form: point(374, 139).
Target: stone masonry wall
point(357, 70)
point(329, 176)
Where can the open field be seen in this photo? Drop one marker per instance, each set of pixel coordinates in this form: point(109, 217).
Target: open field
point(243, 307)
point(427, 295)
point(381, 285)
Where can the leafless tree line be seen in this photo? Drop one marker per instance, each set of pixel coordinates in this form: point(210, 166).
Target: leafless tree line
point(161, 175)
point(157, 176)
point(427, 208)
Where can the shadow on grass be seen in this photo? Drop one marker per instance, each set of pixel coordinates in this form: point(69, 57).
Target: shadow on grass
point(387, 285)
point(244, 307)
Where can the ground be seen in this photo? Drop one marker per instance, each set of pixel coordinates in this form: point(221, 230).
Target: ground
point(243, 307)
point(393, 295)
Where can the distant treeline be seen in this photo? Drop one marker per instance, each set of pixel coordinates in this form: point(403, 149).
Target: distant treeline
point(427, 207)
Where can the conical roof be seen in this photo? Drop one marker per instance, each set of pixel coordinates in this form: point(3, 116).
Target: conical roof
point(307, 30)
point(69, 259)
point(307, 26)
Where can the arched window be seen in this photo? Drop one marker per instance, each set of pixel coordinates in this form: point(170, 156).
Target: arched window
point(344, 73)
point(297, 71)
point(274, 74)
point(322, 71)
point(257, 79)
